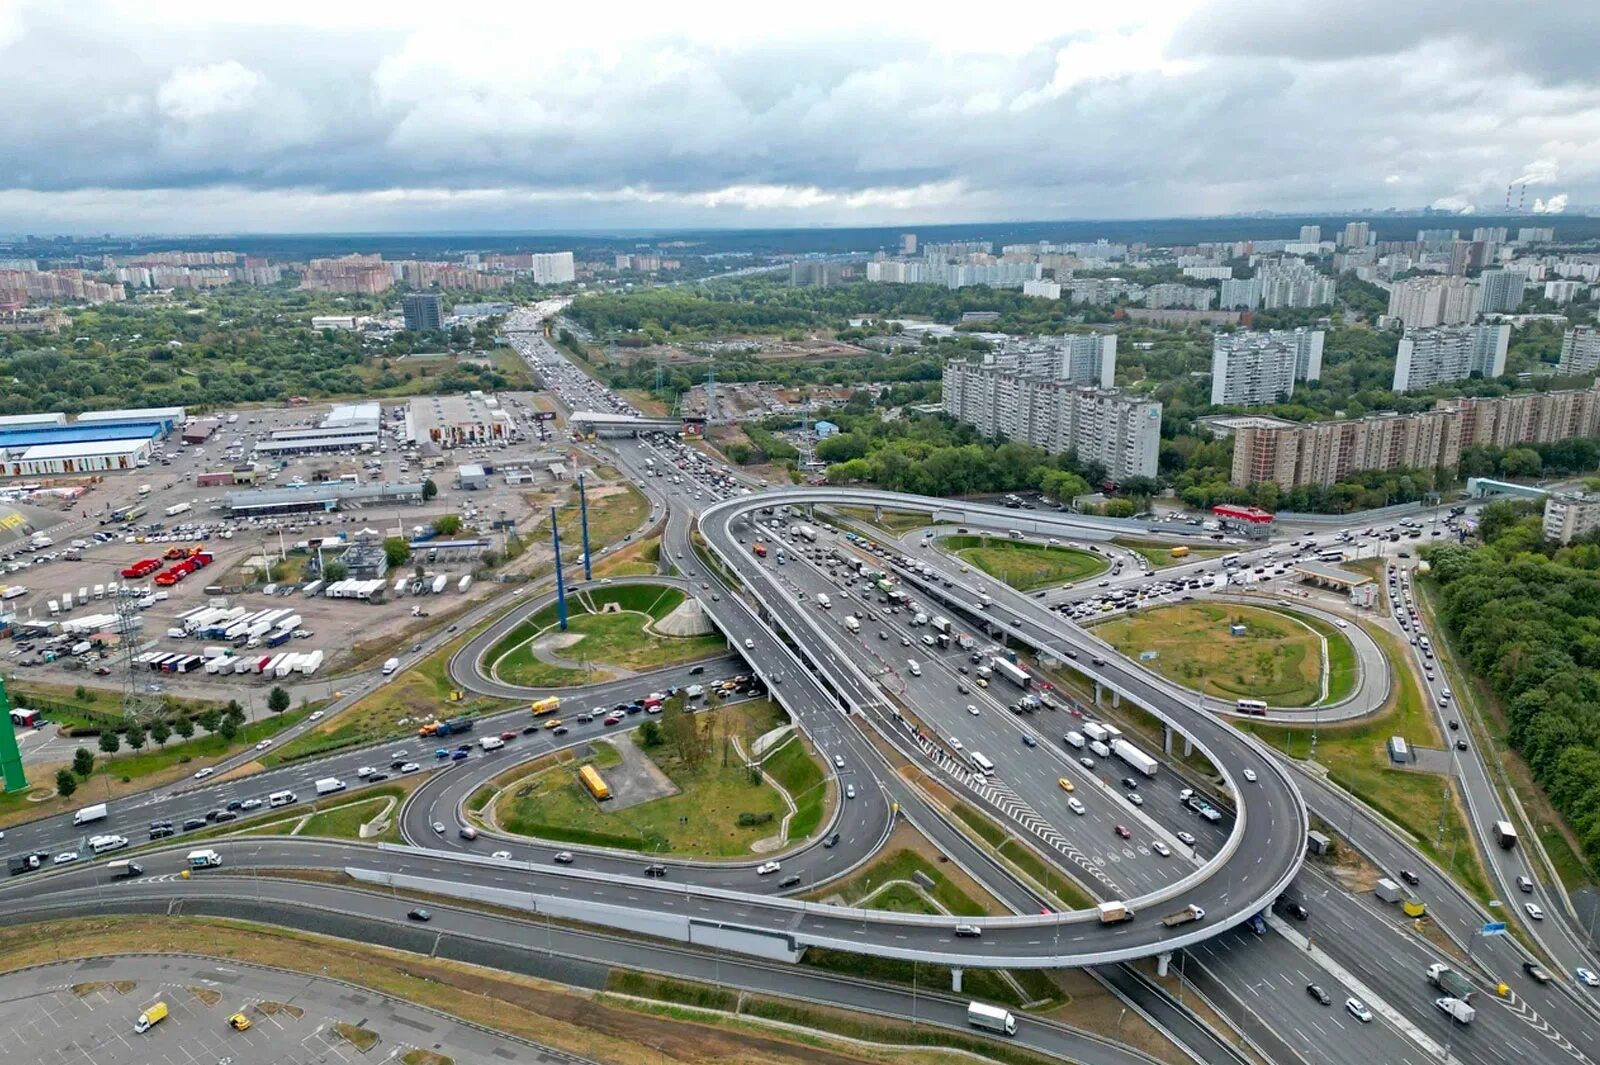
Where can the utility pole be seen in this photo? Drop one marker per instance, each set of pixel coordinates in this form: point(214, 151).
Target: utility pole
point(583, 517)
point(561, 587)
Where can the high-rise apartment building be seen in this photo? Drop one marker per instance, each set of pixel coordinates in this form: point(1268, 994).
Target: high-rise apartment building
point(1580, 351)
point(1501, 291)
point(424, 311)
point(1429, 357)
point(908, 244)
point(1536, 235)
point(552, 268)
point(815, 273)
point(1188, 297)
point(1423, 302)
point(1242, 294)
point(1293, 283)
point(1120, 431)
point(1310, 234)
point(1571, 515)
point(1293, 454)
point(1073, 358)
point(1251, 369)
point(1356, 235)
point(1490, 234)
point(1208, 273)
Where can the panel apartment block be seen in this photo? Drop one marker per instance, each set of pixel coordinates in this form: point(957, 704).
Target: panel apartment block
point(1120, 431)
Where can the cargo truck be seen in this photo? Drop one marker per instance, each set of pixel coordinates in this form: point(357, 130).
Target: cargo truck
point(1505, 835)
point(329, 785)
point(390, 666)
point(204, 859)
point(1134, 757)
point(1095, 731)
point(1114, 912)
point(151, 1017)
point(1011, 671)
point(97, 812)
point(991, 1019)
point(123, 869)
point(1458, 1011)
point(1452, 983)
point(1189, 913)
point(852, 624)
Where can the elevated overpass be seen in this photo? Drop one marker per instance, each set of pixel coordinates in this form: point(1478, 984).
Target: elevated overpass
point(598, 423)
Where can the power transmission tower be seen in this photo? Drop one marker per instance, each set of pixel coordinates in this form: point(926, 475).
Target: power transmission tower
point(138, 705)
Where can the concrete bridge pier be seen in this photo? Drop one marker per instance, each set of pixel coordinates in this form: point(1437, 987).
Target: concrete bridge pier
point(1166, 739)
point(1163, 963)
point(955, 980)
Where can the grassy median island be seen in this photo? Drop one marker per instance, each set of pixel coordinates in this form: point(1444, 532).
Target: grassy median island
point(709, 804)
point(1160, 555)
point(1357, 759)
point(1023, 565)
point(1279, 658)
point(616, 627)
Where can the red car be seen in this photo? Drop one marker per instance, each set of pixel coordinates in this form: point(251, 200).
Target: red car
point(1122, 830)
point(508, 735)
point(612, 719)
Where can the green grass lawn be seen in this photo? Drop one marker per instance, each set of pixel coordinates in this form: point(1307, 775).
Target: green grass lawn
point(1357, 759)
point(895, 521)
point(1160, 555)
point(344, 822)
point(1278, 659)
point(902, 865)
point(609, 639)
point(702, 820)
point(793, 767)
point(417, 694)
point(1025, 566)
point(1023, 857)
point(615, 510)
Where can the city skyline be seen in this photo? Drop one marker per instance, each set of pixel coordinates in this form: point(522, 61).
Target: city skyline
point(302, 118)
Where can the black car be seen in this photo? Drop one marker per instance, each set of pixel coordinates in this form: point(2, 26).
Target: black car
point(1536, 971)
point(655, 870)
point(559, 730)
point(1409, 877)
point(226, 815)
point(789, 881)
point(1297, 911)
point(696, 671)
point(212, 815)
point(1461, 745)
point(529, 730)
point(419, 914)
point(193, 823)
point(1320, 995)
point(397, 763)
point(1130, 783)
point(236, 804)
point(832, 840)
point(162, 832)
point(374, 778)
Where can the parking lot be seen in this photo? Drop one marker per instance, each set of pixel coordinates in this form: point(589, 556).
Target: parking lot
point(83, 1013)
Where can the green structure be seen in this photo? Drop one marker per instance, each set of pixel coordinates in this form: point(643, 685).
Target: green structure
point(10, 756)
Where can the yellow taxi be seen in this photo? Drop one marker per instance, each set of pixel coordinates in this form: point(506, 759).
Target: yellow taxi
point(1066, 785)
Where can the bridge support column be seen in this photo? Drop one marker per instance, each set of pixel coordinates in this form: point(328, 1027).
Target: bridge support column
point(1166, 740)
point(1163, 963)
point(955, 980)
point(1116, 698)
point(877, 514)
point(1188, 747)
point(1097, 691)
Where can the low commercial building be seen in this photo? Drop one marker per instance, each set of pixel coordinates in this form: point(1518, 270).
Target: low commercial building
point(311, 498)
point(365, 560)
point(87, 456)
point(198, 432)
point(471, 477)
point(167, 417)
point(458, 421)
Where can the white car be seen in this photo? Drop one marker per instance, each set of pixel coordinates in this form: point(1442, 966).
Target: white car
point(66, 856)
point(749, 645)
point(973, 710)
point(438, 828)
point(410, 767)
point(1586, 976)
point(1358, 1009)
point(1161, 848)
point(1185, 838)
point(766, 868)
point(850, 791)
point(1135, 798)
point(365, 771)
point(838, 761)
point(1533, 910)
point(250, 804)
point(316, 715)
point(263, 745)
point(1250, 775)
point(502, 856)
point(201, 774)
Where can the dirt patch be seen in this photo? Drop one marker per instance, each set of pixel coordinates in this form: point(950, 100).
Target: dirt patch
point(636, 779)
point(363, 1039)
point(206, 995)
point(272, 1009)
point(121, 987)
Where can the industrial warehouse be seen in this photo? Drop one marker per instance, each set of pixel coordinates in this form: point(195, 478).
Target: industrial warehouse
point(42, 445)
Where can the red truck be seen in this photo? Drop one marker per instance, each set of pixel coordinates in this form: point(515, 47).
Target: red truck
point(760, 550)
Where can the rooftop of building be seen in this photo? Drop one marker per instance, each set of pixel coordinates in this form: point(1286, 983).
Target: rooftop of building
point(68, 434)
point(83, 449)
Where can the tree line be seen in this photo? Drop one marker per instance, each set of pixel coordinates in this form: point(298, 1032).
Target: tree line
point(1525, 615)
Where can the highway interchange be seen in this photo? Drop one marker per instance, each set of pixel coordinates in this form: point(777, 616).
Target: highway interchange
point(856, 698)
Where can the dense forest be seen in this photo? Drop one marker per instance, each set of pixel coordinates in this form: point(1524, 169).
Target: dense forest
point(1526, 616)
point(237, 345)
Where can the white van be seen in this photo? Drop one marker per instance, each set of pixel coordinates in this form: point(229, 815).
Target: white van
point(915, 667)
point(280, 798)
point(1074, 739)
point(491, 743)
point(101, 844)
point(1099, 748)
point(328, 785)
point(823, 601)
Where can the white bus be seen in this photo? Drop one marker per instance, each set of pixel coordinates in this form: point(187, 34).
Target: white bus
point(1252, 706)
point(1230, 561)
point(985, 766)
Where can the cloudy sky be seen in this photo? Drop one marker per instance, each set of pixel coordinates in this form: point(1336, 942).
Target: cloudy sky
point(312, 115)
